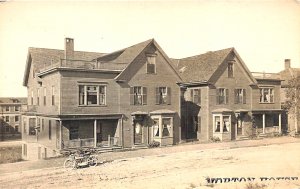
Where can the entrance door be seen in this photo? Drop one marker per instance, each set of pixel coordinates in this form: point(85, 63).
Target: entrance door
point(239, 127)
point(138, 138)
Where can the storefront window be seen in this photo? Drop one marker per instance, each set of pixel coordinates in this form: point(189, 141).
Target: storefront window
point(166, 127)
point(156, 127)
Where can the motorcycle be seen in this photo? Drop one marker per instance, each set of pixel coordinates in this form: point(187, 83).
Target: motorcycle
point(80, 159)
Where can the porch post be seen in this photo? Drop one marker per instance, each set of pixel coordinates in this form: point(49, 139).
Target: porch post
point(236, 128)
point(264, 122)
point(60, 135)
point(279, 123)
point(95, 133)
point(221, 124)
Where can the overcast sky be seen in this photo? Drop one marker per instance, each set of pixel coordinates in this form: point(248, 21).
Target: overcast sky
point(263, 32)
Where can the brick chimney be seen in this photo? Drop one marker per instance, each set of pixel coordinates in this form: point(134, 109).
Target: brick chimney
point(287, 64)
point(69, 48)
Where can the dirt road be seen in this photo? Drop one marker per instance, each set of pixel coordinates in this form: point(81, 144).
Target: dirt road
point(175, 170)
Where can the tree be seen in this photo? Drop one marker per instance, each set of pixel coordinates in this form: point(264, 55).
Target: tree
point(292, 101)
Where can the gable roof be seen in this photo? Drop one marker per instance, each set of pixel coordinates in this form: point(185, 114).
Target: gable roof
point(203, 67)
point(135, 50)
point(42, 57)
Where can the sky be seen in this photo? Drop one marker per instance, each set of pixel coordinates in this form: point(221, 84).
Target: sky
point(264, 32)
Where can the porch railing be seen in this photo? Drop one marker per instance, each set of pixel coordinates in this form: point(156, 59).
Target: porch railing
point(77, 143)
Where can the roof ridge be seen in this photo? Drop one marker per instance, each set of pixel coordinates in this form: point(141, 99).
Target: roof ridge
point(195, 56)
point(31, 48)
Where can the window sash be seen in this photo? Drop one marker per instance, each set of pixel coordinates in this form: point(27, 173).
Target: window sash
point(138, 95)
point(230, 69)
point(90, 95)
point(163, 95)
point(266, 95)
point(222, 96)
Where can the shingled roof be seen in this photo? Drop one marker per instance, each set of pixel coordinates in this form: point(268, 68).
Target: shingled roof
point(288, 74)
point(200, 67)
point(126, 55)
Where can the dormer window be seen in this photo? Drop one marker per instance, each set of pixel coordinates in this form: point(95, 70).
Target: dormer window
point(230, 69)
point(151, 63)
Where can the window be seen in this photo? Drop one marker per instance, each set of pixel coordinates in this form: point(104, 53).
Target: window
point(138, 95)
point(50, 130)
point(156, 127)
point(17, 108)
point(16, 128)
point(163, 95)
point(38, 97)
point(196, 96)
point(7, 119)
point(16, 118)
point(151, 63)
point(52, 96)
point(7, 108)
point(166, 127)
point(74, 132)
point(266, 95)
point(240, 96)
point(222, 96)
point(230, 69)
point(32, 126)
point(45, 96)
point(222, 123)
point(31, 100)
point(92, 95)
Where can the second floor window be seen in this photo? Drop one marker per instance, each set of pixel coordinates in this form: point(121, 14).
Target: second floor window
point(163, 95)
point(240, 96)
point(138, 95)
point(266, 95)
point(38, 97)
point(52, 96)
point(196, 96)
point(222, 96)
point(92, 95)
point(31, 98)
point(7, 108)
point(17, 108)
point(6, 118)
point(16, 118)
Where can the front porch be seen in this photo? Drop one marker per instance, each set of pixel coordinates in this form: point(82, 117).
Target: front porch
point(267, 122)
point(89, 133)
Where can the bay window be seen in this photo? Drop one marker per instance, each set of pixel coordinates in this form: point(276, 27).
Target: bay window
point(222, 123)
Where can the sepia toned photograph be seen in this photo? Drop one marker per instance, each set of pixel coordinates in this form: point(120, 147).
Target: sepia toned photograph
point(150, 94)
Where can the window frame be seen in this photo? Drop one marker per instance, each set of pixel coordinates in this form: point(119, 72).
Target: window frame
point(225, 96)
point(230, 69)
point(38, 97)
point(196, 98)
point(17, 108)
point(7, 108)
point(52, 95)
point(221, 116)
point(163, 98)
point(240, 99)
point(151, 61)
point(85, 95)
point(7, 119)
point(135, 96)
point(160, 119)
point(45, 96)
point(271, 95)
point(17, 118)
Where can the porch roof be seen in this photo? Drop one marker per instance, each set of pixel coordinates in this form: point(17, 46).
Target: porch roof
point(162, 111)
point(265, 111)
point(89, 116)
point(139, 113)
point(222, 110)
point(242, 110)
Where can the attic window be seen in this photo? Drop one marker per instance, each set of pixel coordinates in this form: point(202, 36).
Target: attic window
point(230, 69)
point(151, 63)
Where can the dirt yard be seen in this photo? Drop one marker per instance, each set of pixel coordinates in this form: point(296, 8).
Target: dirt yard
point(176, 170)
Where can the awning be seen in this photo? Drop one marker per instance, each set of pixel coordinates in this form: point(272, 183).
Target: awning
point(162, 111)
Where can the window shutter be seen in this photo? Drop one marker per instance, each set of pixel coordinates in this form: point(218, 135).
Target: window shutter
point(144, 95)
point(217, 96)
point(157, 95)
point(244, 96)
point(131, 96)
point(169, 95)
point(236, 96)
point(199, 97)
point(227, 96)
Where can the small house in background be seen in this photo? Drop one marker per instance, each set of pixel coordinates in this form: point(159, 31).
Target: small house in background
point(223, 100)
point(11, 109)
point(125, 99)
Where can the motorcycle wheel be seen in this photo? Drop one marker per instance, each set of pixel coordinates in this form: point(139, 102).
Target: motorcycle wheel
point(70, 164)
point(93, 161)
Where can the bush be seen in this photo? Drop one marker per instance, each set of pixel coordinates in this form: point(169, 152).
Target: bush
point(214, 139)
point(154, 144)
